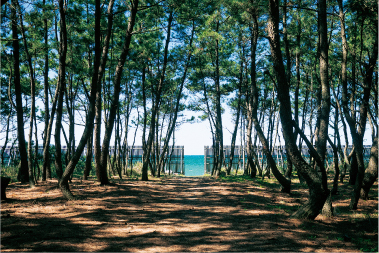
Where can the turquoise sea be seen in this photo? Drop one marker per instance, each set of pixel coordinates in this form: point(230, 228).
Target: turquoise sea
point(193, 165)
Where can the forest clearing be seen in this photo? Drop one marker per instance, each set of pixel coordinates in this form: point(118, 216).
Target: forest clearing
point(175, 214)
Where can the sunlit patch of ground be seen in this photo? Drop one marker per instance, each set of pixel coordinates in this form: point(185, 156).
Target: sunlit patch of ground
point(181, 214)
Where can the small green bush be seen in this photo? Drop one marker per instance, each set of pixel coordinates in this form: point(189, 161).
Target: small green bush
point(10, 171)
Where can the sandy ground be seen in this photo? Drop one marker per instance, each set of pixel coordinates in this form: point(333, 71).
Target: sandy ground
point(180, 214)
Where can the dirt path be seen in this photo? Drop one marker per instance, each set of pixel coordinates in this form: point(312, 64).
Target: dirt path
point(177, 214)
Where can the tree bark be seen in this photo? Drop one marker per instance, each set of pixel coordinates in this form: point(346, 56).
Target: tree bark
point(46, 161)
point(318, 193)
point(148, 147)
point(32, 103)
point(371, 173)
point(234, 135)
point(101, 171)
point(23, 175)
point(336, 168)
point(88, 167)
point(62, 86)
point(97, 126)
point(6, 139)
point(172, 125)
point(323, 117)
point(117, 87)
point(99, 60)
point(218, 127)
point(357, 133)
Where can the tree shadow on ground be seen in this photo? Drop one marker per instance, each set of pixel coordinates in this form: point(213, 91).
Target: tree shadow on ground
point(178, 214)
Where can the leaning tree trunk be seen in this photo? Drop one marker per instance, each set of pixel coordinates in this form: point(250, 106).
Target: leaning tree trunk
point(357, 132)
point(286, 184)
point(318, 191)
point(99, 61)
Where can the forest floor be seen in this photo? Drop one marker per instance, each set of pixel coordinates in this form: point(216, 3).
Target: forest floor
point(175, 214)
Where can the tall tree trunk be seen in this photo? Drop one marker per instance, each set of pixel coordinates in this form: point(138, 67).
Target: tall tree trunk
point(99, 63)
point(357, 133)
point(219, 132)
point(286, 184)
point(46, 171)
point(97, 130)
point(345, 156)
point(101, 171)
point(147, 150)
point(23, 175)
point(251, 98)
point(62, 86)
point(32, 102)
point(172, 125)
point(298, 79)
point(97, 134)
point(117, 87)
point(323, 117)
point(318, 191)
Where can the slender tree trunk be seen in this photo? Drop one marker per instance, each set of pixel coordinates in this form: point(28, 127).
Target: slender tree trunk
point(32, 111)
point(336, 168)
point(134, 141)
point(36, 149)
point(250, 161)
point(172, 125)
point(346, 158)
point(97, 127)
point(234, 135)
point(298, 79)
point(8, 120)
point(101, 171)
point(219, 132)
point(318, 192)
point(62, 86)
point(99, 62)
point(46, 161)
point(286, 184)
point(88, 167)
point(117, 87)
point(147, 150)
point(6, 138)
point(357, 133)
point(129, 103)
point(323, 117)
point(97, 133)
point(23, 175)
